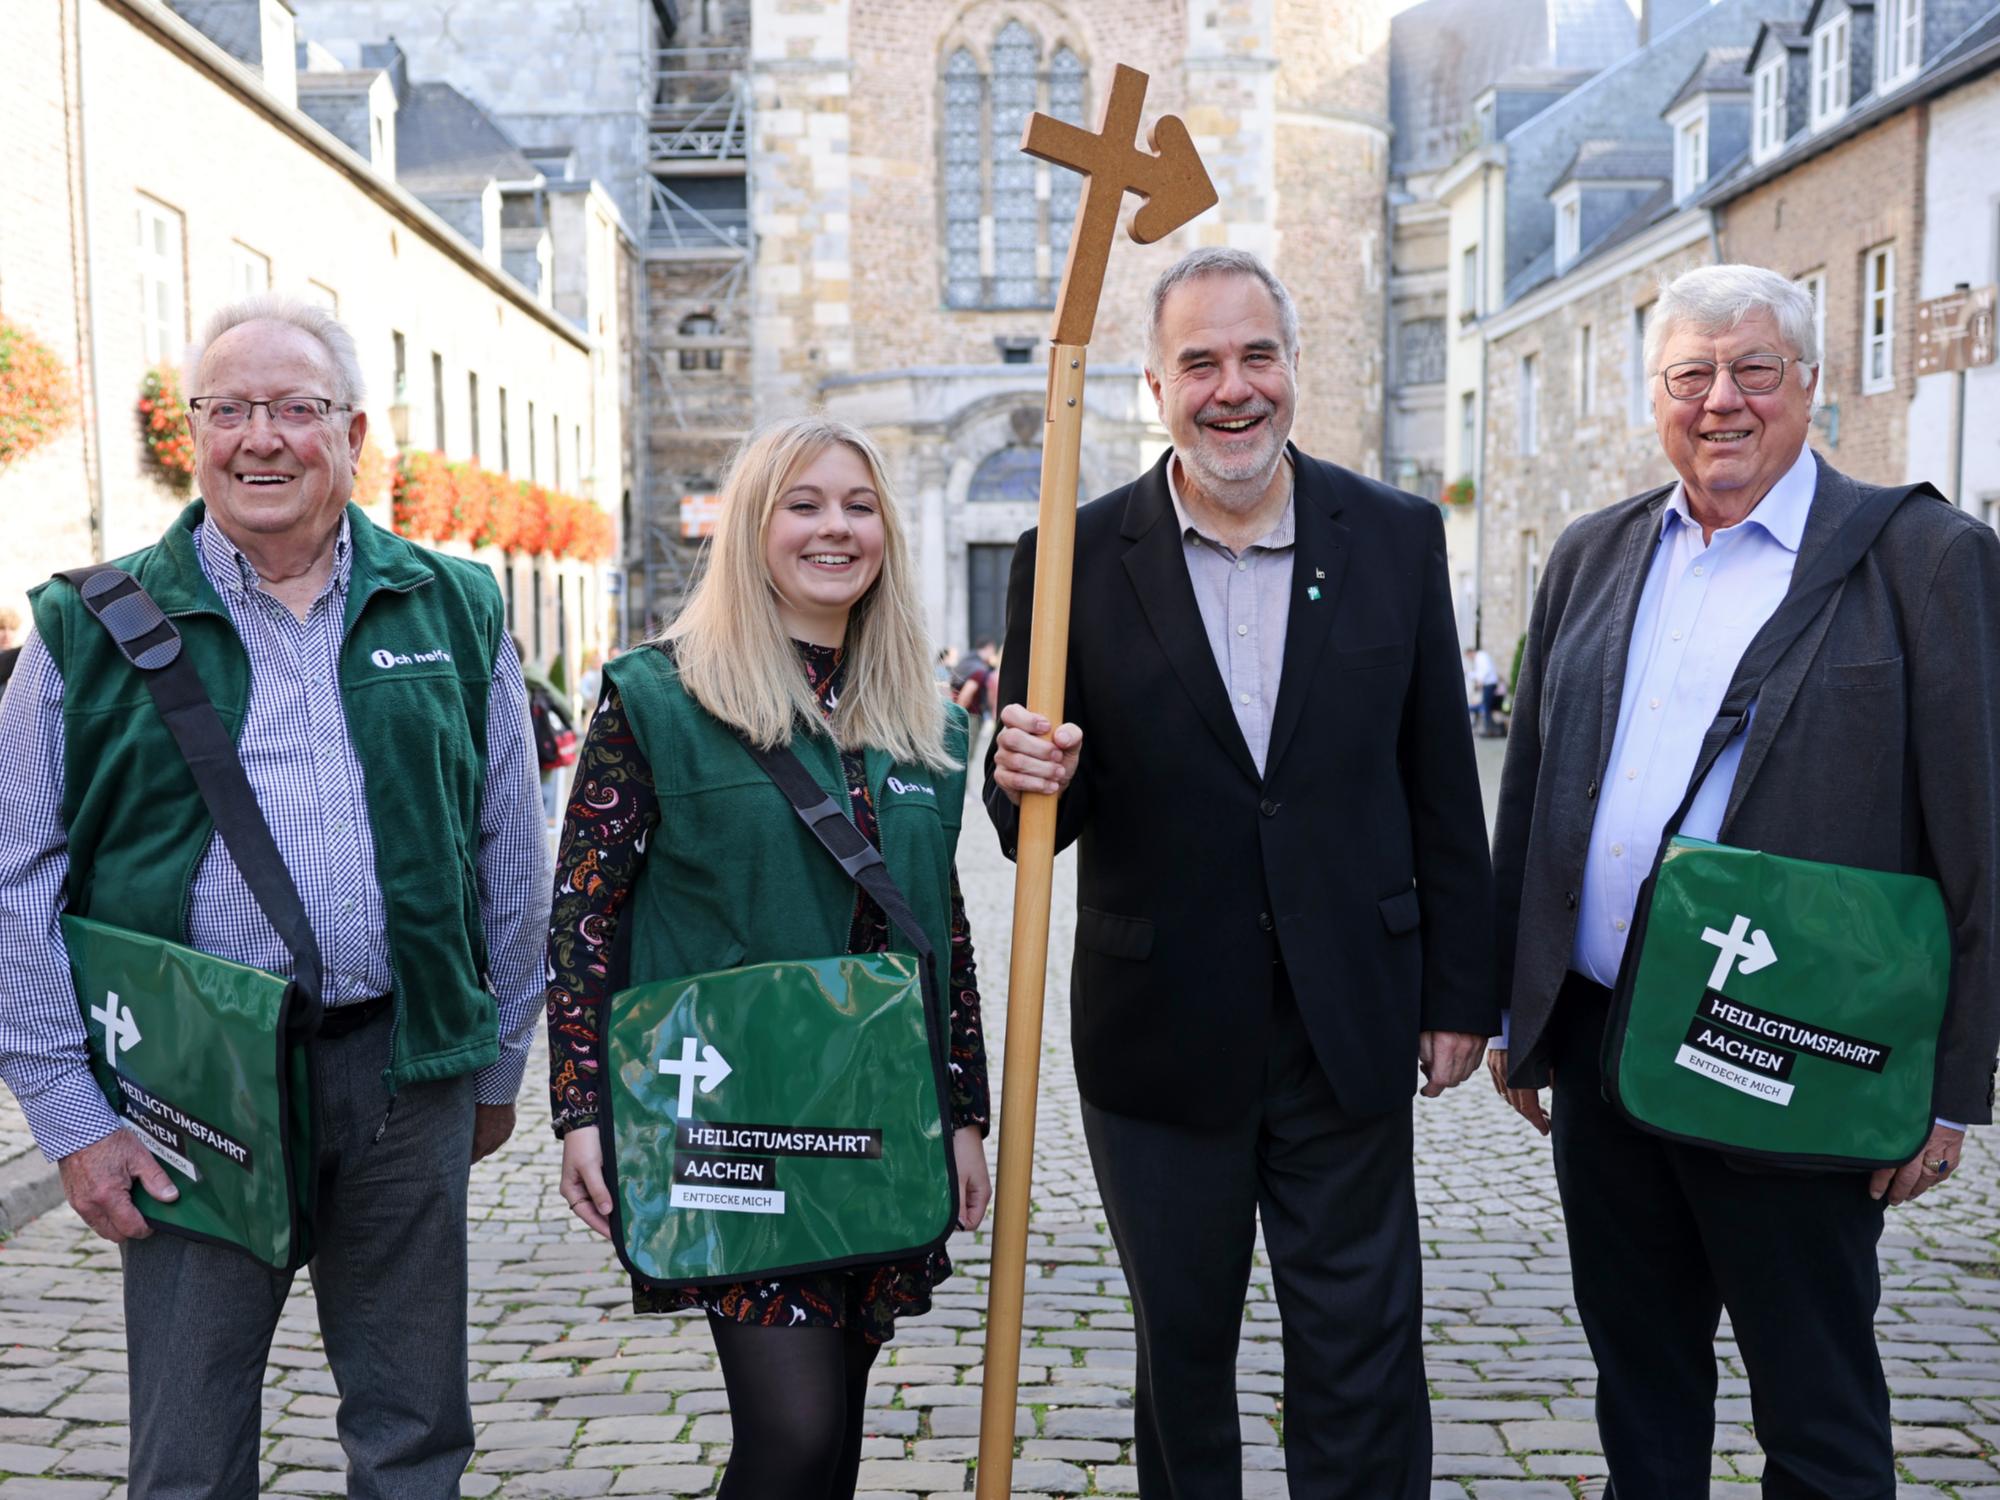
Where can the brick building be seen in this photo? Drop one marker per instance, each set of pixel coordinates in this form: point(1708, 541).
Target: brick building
point(1835, 194)
point(159, 169)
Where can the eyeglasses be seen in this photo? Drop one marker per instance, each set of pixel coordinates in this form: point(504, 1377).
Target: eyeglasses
point(1753, 374)
point(226, 412)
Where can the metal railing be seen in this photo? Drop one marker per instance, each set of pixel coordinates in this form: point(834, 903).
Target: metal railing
point(676, 224)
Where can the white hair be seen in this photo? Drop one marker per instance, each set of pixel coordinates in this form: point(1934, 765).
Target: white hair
point(307, 317)
point(1219, 260)
point(1715, 299)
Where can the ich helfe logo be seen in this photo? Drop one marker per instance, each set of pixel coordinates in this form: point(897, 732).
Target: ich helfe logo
point(385, 658)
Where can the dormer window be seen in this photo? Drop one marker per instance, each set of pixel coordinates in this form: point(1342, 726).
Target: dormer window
point(1829, 72)
point(1690, 150)
point(1569, 225)
point(1769, 93)
point(1899, 29)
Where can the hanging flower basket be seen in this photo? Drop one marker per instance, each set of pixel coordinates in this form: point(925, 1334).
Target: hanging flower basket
point(37, 395)
point(435, 500)
point(163, 423)
point(1459, 491)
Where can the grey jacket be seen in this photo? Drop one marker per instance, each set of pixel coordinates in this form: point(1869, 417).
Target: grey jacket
point(1876, 743)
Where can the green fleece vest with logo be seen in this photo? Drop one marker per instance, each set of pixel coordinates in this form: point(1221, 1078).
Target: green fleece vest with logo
point(732, 877)
point(416, 661)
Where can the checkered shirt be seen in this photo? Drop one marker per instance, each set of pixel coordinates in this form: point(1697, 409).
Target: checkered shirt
point(310, 787)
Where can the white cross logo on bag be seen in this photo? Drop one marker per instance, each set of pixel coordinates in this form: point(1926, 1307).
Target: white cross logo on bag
point(713, 1068)
point(121, 1029)
point(1757, 953)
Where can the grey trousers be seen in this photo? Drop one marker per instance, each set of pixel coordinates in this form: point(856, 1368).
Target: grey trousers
point(390, 1279)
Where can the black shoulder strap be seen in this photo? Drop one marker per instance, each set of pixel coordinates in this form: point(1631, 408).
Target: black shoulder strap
point(1805, 598)
point(837, 833)
point(151, 643)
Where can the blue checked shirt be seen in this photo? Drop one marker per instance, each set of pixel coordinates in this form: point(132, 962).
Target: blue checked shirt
point(309, 784)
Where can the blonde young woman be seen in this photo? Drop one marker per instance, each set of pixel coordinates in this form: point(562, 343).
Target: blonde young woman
point(804, 629)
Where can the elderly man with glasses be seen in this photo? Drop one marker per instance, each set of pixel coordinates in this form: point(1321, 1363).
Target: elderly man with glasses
point(1873, 742)
point(402, 801)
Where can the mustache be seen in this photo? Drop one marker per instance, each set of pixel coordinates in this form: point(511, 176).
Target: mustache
point(1235, 413)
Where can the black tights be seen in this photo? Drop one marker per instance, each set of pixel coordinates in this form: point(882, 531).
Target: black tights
point(795, 1402)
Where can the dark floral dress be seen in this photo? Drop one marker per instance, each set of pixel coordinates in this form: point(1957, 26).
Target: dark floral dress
point(613, 814)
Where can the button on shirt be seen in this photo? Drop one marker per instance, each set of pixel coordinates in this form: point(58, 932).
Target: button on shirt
point(1245, 599)
point(309, 783)
point(1702, 604)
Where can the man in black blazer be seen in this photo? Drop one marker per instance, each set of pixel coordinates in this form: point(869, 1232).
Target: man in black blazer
point(1282, 882)
point(1875, 742)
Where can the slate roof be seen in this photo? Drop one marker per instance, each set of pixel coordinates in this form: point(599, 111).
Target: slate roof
point(1784, 34)
point(1720, 72)
point(445, 143)
point(1608, 160)
point(1444, 53)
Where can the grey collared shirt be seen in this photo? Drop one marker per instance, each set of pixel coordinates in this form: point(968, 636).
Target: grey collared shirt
point(1245, 598)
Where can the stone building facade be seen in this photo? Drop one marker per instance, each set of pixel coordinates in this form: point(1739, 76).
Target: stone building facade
point(1568, 413)
point(132, 136)
point(1826, 222)
point(907, 255)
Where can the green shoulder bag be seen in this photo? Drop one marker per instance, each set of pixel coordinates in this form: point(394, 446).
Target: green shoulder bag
point(782, 1117)
point(1781, 1009)
point(205, 1061)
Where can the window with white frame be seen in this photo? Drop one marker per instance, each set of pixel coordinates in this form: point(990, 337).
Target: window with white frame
point(1639, 379)
point(1530, 402)
point(249, 271)
point(163, 331)
point(321, 295)
point(1814, 285)
point(1768, 91)
point(1586, 371)
point(1829, 72)
point(1468, 282)
point(1690, 153)
point(1468, 432)
point(1878, 319)
point(1899, 29)
point(1569, 226)
point(1531, 567)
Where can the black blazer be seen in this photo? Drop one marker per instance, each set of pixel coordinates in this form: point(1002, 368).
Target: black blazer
point(1359, 858)
point(1876, 744)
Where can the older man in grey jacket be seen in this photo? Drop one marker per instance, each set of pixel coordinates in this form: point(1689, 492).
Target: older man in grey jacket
point(1875, 742)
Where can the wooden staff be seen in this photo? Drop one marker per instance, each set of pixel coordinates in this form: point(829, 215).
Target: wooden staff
point(1176, 187)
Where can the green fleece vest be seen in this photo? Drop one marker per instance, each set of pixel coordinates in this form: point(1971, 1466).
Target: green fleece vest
point(415, 665)
point(731, 875)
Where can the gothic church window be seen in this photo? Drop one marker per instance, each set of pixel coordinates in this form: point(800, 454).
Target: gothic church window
point(1005, 241)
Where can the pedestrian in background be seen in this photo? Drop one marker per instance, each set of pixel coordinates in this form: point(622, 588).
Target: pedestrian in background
point(1874, 742)
point(805, 630)
point(404, 810)
point(1482, 687)
point(1282, 887)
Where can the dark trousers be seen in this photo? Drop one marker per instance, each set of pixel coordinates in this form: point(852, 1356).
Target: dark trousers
point(1662, 1238)
point(390, 1281)
point(1338, 1204)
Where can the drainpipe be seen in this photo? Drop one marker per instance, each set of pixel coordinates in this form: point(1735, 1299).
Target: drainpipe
point(84, 300)
point(1478, 454)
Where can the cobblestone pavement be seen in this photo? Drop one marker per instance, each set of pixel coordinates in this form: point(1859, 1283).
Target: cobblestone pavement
point(577, 1397)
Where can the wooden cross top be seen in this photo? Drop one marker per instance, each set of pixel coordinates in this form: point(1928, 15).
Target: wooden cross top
point(1170, 178)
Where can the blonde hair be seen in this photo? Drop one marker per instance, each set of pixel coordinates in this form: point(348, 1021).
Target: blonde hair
point(734, 655)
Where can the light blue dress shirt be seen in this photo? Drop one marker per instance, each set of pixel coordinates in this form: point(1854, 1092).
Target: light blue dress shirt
point(1702, 604)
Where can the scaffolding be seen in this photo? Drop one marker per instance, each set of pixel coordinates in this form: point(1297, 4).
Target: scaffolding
point(698, 250)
